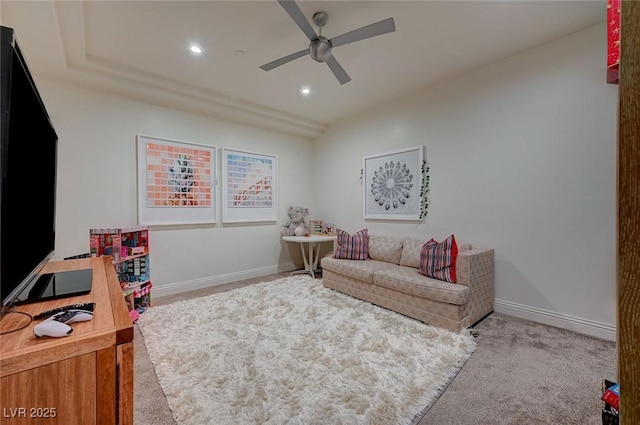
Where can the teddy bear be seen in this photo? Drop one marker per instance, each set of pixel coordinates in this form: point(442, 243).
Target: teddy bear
point(297, 220)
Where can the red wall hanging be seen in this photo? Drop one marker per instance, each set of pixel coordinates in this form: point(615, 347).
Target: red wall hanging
point(613, 40)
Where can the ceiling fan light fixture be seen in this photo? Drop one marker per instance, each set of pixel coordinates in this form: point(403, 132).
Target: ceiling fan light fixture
point(320, 49)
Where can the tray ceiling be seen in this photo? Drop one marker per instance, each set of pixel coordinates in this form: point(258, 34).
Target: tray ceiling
point(140, 49)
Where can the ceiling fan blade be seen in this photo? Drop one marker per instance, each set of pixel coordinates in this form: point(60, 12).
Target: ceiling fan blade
point(296, 14)
point(338, 70)
point(276, 63)
point(372, 30)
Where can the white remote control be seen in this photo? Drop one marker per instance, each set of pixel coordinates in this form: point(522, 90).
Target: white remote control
point(58, 324)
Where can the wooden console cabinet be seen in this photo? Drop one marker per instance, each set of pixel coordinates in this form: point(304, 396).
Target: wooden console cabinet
point(81, 379)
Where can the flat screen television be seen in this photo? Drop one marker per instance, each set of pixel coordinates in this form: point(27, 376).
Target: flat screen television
point(28, 157)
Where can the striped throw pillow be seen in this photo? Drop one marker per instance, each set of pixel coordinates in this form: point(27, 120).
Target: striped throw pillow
point(438, 260)
point(354, 247)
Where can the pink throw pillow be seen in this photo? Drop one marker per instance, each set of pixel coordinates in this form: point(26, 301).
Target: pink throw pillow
point(354, 247)
point(438, 260)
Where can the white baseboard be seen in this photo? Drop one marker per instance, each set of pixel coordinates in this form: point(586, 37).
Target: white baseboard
point(559, 320)
point(206, 282)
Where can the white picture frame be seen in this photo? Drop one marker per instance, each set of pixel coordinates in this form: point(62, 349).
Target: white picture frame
point(176, 182)
point(392, 182)
point(249, 186)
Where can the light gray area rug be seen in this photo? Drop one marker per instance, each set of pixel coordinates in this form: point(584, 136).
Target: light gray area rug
point(290, 351)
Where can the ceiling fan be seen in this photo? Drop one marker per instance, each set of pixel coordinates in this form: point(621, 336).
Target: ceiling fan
point(320, 47)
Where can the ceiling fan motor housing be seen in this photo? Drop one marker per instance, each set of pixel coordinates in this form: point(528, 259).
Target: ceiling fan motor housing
point(320, 49)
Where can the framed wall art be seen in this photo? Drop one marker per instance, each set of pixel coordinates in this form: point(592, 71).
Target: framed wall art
point(249, 186)
point(392, 184)
point(176, 182)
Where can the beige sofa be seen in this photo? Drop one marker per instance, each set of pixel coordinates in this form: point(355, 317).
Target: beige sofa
point(390, 278)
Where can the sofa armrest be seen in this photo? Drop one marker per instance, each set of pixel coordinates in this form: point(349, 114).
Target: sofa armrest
point(473, 265)
point(475, 269)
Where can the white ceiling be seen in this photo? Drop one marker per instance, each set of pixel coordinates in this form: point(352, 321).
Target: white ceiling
point(140, 49)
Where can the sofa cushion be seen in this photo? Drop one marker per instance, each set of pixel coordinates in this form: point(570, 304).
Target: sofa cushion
point(438, 260)
point(409, 281)
point(385, 248)
point(361, 270)
point(411, 248)
point(354, 247)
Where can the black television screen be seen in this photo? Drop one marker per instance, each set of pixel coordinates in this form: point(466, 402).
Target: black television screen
point(28, 155)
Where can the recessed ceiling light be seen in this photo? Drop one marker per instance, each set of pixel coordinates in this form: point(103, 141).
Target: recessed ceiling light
point(195, 49)
point(305, 91)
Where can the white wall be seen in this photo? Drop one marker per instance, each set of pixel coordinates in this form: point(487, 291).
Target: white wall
point(522, 156)
point(97, 186)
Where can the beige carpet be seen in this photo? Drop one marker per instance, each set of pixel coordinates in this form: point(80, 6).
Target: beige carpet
point(291, 351)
